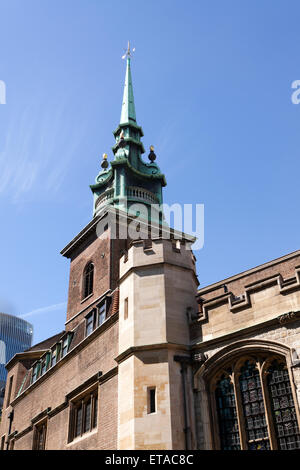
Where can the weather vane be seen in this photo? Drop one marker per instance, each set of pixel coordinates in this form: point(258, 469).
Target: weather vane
point(128, 52)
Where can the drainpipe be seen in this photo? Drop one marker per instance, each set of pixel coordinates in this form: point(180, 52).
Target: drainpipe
point(184, 361)
point(10, 417)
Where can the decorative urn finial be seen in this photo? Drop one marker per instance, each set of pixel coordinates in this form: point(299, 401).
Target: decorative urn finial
point(104, 162)
point(152, 155)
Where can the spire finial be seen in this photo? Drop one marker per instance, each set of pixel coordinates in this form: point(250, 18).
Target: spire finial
point(128, 52)
point(128, 108)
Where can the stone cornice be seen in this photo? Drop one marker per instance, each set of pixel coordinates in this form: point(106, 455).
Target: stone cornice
point(261, 267)
point(284, 318)
point(158, 264)
point(235, 304)
point(149, 347)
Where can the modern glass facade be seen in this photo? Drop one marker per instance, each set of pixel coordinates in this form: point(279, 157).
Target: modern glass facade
point(15, 337)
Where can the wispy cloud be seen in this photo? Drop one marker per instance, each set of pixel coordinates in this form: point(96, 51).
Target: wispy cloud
point(49, 308)
point(38, 149)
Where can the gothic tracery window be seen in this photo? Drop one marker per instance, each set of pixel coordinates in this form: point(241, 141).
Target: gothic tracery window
point(228, 422)
point(283, 408)
point(254, 406)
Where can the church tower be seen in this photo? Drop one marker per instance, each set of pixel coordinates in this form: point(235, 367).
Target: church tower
point(116, 377)
point(156, 283)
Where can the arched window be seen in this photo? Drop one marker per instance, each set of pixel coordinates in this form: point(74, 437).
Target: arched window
point(254, 405)
point(283, 408)
point(227, 415)
point(88, 280)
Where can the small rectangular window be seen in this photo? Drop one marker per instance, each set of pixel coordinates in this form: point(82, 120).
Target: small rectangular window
point(83, 415)
point(126, 308)
point(44, 366)
point(35, 373)
point(89, 327)
point(102, 313)
point(64, 348)
point(2, 442)
point(53, 357)
point(151, 400)
point(39, 439)
point(9, 390)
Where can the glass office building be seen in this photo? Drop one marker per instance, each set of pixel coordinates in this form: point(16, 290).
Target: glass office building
point(15, 337)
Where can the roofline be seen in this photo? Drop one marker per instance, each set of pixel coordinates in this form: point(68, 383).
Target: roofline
point(260, 267)
point(24, 355)
point(81, 235)
point(88, 229)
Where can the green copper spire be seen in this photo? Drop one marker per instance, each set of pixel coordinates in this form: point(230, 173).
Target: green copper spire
point(128, 108)
point(128, 179)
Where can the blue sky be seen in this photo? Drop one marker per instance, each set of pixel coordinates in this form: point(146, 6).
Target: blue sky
point(212, 83)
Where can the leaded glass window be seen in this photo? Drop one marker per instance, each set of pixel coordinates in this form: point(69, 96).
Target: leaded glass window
point(227, 415)
point(283, 409)
point(253, 408)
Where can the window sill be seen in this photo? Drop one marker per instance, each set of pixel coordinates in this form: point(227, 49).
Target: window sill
point(84, 436)
point(86, 298)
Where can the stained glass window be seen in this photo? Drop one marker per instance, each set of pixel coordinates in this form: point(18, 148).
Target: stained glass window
point(257, 434)
point(283, 409)
point(227, 415)
point(253, 408)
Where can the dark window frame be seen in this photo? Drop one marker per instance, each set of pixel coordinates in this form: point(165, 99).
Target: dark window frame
point(54, 354)
point(78, 428)
point(95, 315)
point(88, 280)
point(151, 400)
point(90, 321)
point(101, 305)
point(251, 379)
point(39, 436)
point(9, 391)
point(35, 372)
point(64, 347)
